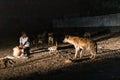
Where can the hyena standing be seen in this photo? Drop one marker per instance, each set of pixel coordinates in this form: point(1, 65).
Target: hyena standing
point(50, 39)
point(82, 45)
point(87, 35)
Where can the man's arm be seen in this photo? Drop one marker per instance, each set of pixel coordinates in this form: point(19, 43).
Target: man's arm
point(20, 43)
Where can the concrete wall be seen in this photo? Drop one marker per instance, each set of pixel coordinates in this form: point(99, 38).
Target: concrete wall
point(96, 21)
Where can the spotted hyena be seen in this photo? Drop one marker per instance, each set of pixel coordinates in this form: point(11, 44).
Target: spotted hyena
point(81, 45)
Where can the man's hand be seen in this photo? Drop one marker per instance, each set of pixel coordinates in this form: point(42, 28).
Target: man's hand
point(21, 46)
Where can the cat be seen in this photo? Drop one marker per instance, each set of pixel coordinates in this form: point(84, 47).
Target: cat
point(53, 48)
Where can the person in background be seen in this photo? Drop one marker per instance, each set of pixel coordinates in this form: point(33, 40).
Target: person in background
point(24, 44)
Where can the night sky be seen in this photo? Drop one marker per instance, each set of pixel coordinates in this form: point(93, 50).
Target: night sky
point(23, 14)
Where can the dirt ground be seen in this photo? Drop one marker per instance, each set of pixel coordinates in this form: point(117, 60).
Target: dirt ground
point(43, 65)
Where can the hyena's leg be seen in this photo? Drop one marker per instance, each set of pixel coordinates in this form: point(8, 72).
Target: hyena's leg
point(93, 50)
point(76, 52)
point(48, 40)
point(93, 54)
point(52, 41)
point(81, 53)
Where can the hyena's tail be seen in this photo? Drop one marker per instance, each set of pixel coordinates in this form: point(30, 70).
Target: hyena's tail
point(95, 46)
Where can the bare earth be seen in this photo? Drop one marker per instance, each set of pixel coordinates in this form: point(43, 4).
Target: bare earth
point(43, 65)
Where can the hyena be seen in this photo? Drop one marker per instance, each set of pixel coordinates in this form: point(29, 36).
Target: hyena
point(36, 40)
point(33, 40)
point(87, 34)
point(41, 37)
point(50, 39)
point(82, 45)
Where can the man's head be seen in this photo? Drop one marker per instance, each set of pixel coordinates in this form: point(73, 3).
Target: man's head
point(24, 34)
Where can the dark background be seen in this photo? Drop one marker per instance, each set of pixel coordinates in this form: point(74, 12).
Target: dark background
point(34, 15)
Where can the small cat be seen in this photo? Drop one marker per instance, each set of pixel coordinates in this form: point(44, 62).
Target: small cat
point(53, 48)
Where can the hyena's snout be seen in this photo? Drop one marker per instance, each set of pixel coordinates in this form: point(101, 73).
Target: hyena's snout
point(64, 41)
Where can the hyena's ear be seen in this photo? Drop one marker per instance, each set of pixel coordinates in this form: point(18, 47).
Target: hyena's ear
point(66, 36)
